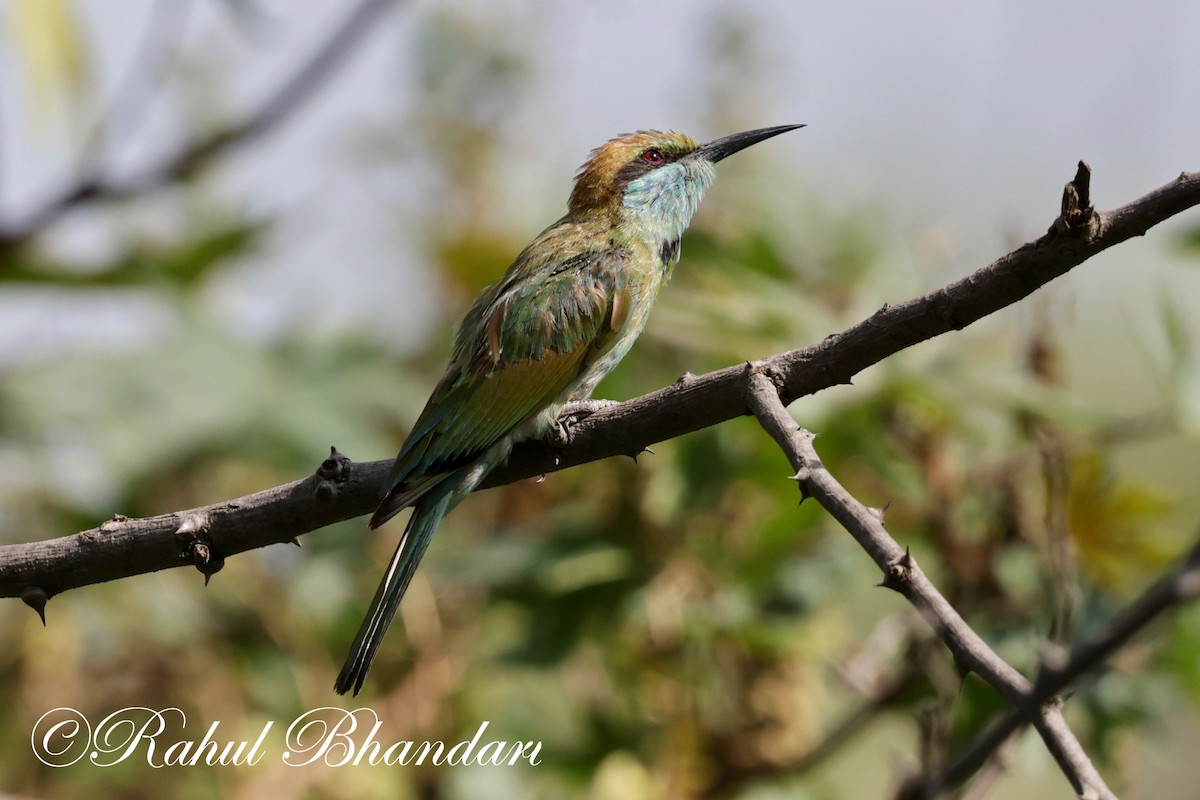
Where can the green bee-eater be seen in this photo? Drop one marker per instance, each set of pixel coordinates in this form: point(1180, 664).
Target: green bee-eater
point(544, 335)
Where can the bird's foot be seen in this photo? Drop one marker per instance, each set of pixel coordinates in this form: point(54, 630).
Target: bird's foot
point(573, 413)
point(579, 409)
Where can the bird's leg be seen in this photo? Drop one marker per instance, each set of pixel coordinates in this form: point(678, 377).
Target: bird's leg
point(573, 412)
point(576, 410)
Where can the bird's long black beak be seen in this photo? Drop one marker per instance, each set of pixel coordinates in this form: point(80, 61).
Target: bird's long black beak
point(717, 149)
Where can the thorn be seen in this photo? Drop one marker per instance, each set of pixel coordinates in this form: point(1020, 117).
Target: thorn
point(332, 473)
point(802, 477)
point(963, 671)
point(635, 455)
point(191, 526)
point(336, 463)
point(1076, 201)
point(197, 547)
point(35, 597)
point(206, 559)
point(1083, 183)
point(540, 479)
point(897, 572)
point(294, 541)
point(113, 523)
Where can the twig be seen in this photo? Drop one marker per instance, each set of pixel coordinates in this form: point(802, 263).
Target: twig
point(990, 772)
point(1179, 586)
point(852, 724)
point(278, 106)
point(731, 778)
point(901, 573)
point(131, 547)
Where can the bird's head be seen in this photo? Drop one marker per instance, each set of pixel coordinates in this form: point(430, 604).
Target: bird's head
point(655, 178)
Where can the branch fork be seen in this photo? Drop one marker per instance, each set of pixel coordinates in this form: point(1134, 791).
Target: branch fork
point(902, 574)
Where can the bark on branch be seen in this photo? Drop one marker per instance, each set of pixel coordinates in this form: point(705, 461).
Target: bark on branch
point(902, 573)
point(341, 489)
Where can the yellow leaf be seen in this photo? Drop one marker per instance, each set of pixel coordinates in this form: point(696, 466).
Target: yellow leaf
point(1117, 527)
point(45, 36)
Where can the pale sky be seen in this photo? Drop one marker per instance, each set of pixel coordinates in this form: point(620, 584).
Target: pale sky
point(964, 117)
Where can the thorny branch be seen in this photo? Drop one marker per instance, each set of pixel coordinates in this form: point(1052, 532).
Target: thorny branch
point(1180, 585)
point(901, 573)
point(341, 489)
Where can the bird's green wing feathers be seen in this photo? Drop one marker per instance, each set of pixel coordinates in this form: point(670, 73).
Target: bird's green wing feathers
point(526, 340)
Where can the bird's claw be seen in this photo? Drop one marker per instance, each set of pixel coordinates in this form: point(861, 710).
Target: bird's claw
point(572, 413)
point(578, 410)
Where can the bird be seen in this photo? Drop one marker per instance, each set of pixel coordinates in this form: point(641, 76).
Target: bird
point(561, 317)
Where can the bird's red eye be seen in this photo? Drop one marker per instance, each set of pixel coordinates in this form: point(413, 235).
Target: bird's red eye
point(652, 156)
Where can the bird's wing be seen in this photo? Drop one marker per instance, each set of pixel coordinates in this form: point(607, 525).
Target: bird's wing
point(526, 340)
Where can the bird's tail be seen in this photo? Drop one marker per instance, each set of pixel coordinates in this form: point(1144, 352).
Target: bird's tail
point(427, 515)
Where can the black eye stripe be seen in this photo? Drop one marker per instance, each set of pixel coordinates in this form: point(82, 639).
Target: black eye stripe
point(639, 165)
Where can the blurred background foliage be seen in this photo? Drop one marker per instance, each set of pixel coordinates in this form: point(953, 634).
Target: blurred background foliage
point(671, 628)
